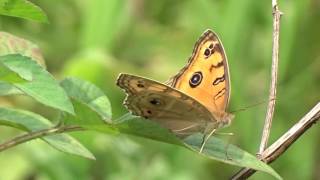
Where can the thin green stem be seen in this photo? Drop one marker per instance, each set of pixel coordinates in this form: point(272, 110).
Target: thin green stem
point(37, 134)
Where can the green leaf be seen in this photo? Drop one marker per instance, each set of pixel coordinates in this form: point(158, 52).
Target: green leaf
point(10, 44)
point(92, 107)
point(39, 83)
point(8, 75)
point(89, 94)
point(215, 148)
point(23, 9)
point(219, 150)
point(29, 121)
point(8, 89)
point(137, 126)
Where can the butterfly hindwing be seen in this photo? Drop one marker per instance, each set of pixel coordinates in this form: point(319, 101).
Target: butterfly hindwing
point(165, 105)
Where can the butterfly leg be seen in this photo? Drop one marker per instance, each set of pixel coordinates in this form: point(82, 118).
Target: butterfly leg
point(186, 128)
point(205, 139)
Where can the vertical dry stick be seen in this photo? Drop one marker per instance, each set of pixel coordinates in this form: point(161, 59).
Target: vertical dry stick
point(274, 74)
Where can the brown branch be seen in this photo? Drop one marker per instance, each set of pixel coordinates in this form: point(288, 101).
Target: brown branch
point(285, 141)
point(37, 134)
point(274, 76)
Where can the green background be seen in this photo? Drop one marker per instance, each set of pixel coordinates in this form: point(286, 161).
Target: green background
point(95, 40)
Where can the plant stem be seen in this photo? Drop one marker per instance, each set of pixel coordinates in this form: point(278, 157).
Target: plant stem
point(274, 76)
point(37, 134)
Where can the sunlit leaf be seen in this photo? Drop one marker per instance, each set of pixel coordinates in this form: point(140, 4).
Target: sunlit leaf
point(29, 121)
point(23, 9)
point(92, 107)
point(39, 83)
point(89, 94)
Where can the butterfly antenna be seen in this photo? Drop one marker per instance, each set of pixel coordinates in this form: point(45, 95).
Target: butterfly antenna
point(252, 105)
point(205, 139)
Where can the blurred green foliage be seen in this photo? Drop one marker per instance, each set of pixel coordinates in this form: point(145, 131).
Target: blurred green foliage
point(97, 39)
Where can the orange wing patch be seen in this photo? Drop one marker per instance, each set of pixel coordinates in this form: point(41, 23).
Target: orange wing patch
point(206, 76)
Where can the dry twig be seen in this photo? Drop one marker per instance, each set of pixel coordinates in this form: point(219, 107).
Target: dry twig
point(285, 141)
point(274, 76)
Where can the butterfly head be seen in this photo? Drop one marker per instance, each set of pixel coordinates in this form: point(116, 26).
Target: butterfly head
point(225, 119)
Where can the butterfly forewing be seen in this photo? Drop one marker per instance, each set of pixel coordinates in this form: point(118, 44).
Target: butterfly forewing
point(206, 76)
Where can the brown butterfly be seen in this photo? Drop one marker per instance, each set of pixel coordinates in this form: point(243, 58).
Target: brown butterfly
point(194, 100)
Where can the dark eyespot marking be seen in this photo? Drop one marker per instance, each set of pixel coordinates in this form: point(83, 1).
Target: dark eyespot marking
point(140, 85)
point(149, 112)
point(207, 52)
point(218, 80)
point(196, 79)
point(211, 46)
point(155, 102)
